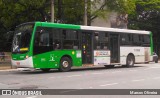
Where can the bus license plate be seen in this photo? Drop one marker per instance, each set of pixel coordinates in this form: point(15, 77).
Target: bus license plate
point(18, 63)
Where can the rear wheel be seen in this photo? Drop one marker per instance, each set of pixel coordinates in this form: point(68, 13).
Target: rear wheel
point(65, 64)
point(156, 61)
point(130, 61)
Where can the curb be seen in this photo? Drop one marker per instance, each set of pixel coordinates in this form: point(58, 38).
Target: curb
point(8, 70)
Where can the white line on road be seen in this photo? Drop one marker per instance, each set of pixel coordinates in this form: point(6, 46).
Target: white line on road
point(123, 82)
point(109, 84)
point(74, 76)
point(156, 78)
point(138, 80)
point(155, 67)
point(32, 97)
point(147, 68)
point(151, 68)
point(51, 77)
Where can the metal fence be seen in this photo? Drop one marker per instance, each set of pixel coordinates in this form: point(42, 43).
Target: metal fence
point(5, 61)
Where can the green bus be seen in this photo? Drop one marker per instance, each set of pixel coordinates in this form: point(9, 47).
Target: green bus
point(45, 46)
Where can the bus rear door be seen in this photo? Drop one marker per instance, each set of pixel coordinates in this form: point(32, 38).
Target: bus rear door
point(114, 48)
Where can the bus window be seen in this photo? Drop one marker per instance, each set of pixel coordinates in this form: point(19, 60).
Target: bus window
point(136, 40)
point(126, 39)
point(70, 39)
point(146, 40)
point(21, 40)
point(56, 42)
point(123, 39)
point(101, 40)
point(43, 40)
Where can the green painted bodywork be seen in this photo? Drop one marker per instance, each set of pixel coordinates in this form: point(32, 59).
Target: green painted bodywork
point(151, 43)
point(19, 56)
point(50, 59)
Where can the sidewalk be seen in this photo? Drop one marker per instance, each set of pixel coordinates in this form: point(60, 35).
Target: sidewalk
point(5, 65)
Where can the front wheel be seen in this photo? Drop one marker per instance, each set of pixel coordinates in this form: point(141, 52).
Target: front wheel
point(65, 64)
point(130, 61)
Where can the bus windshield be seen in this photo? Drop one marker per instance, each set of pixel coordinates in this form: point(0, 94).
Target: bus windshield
point(22, 36)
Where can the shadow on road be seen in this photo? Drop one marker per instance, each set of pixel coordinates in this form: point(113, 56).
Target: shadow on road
point(38, 71)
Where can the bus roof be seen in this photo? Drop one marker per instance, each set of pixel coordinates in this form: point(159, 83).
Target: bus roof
point(114, 29)
point(94, 28)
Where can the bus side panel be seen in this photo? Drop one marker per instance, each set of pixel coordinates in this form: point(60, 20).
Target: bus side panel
point(138, 52)
point(52, 59)
point(102, 57)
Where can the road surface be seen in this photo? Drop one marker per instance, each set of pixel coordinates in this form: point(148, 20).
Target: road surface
point(142, 76)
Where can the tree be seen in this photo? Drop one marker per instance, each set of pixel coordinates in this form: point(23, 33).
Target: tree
point(121, 7)
point(15, 12)
point(147, 17)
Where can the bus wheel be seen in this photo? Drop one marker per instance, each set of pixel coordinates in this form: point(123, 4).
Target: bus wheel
point(130, 61)
point(65, 64)
point(45, 69)
point(156, 61)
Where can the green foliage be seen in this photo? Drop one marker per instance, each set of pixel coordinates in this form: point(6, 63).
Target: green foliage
point(73, 11)
point(15, 12)
point(104, 8)
point(147, 17)
point(121, 6)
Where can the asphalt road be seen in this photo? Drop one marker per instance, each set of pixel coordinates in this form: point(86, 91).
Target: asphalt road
point(142, 76)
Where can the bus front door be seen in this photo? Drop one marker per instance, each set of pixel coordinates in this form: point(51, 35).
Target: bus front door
point(114, 48)
point(86, 48)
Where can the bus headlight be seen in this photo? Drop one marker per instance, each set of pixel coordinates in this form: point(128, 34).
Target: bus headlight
point(27, 56)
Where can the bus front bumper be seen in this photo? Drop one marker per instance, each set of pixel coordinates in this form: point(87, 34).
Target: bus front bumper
point(27, 63)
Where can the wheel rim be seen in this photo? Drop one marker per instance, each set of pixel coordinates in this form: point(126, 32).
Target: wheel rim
point(130, 61)
point(65, 64)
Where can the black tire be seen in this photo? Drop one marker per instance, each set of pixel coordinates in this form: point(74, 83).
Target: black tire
point(65, 64)
point(156, 61)
point(130, 61)
point(109, 66)
point(45, 69)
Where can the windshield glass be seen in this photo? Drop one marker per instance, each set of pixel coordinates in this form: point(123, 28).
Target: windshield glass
point(21, 40)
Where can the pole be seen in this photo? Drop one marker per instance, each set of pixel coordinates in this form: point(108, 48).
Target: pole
point(52, 10)
point(85, 12)
point(60, 10)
